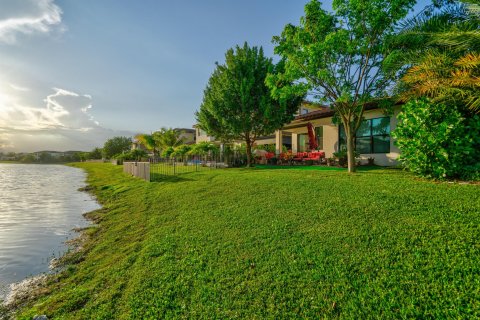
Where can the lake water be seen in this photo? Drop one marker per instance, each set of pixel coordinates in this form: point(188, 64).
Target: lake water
point(39, 207)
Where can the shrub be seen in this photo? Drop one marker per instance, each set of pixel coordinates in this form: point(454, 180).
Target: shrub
point(438, 141)
point(181, 150)
point(236, 153)
point(271, 148)
point(204, 148)
point(135, 155)
point(168, 152)
point(343, 157)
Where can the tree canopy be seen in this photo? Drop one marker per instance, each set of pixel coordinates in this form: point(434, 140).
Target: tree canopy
point(238, 105)
point(96, 153)
point(115, 146)
point(337, 57)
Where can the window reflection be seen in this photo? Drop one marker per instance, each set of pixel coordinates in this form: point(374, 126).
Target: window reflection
point(373, 136)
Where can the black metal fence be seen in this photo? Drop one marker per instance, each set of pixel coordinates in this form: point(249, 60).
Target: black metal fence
point(161, 168)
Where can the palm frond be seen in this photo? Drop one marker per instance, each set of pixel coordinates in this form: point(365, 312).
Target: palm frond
point(473, 7)
point(430, 20)
point(473, 102)
point(469, 61)
point(459, 40)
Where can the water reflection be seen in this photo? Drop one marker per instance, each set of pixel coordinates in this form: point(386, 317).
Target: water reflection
point(39, 207)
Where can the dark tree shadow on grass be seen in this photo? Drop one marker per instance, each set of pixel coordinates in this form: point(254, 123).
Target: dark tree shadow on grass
point(299, 167)
point(156, 177)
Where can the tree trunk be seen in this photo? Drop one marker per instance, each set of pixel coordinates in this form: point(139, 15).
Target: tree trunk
point(350, 150)
point(249, 153)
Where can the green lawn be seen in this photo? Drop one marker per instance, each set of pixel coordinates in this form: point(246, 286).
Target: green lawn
point(302, 167)
point(279, 244)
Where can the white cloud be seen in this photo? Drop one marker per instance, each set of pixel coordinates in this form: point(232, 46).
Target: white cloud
point(63, 123)
point(69, 110)
point(63, 110)
point(19, 88)
point(27, 17)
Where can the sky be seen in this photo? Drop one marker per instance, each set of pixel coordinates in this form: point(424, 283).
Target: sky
point(74, 73)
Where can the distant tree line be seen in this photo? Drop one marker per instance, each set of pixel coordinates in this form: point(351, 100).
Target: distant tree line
point(41, 157)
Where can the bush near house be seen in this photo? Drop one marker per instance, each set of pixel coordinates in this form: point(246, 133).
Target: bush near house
point(135, 155)
point(167, 153)
point(204, 148)
point(439, 141)
point(181, 150)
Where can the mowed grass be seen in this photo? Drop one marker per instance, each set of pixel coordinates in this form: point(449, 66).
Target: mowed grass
point(274, 244)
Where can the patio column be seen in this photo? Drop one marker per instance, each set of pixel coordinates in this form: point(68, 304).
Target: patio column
point(278, 141)
point(294, 143)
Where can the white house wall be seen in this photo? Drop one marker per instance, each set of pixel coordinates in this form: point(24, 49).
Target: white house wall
point(384, 159)
point(330, 138)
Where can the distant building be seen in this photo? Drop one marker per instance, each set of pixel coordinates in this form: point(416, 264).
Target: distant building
point(305, 108)
point(137, 145)
point(202, 136)
point(188, 135)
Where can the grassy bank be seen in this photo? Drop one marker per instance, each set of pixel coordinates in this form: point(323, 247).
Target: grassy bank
point(279, 244)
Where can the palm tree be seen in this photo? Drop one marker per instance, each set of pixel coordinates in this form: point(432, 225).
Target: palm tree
point(440, 54)
point(147, 141)
point(165, 138)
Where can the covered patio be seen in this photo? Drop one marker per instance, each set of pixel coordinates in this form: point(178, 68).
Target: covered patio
point(325, 132)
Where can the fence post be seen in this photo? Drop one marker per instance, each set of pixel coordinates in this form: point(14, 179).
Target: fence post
point(174, 166)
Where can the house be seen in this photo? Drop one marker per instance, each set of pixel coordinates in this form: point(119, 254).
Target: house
point(188, 135)
point(137, 145)
point(202, 136)
point(373, 138)
point(305, 108)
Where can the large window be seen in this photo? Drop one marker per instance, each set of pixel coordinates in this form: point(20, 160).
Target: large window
point(302, 140)
point(373, 136)
point(319, 137)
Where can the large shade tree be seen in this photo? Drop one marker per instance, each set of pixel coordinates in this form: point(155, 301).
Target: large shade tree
point(337, 57)
point(238, 105)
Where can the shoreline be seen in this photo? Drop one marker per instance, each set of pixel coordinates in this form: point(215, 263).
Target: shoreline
point(20, 293)
point(31, 288)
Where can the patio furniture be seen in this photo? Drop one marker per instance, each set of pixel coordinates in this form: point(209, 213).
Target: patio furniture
point(300, 156)
point(315, 156)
